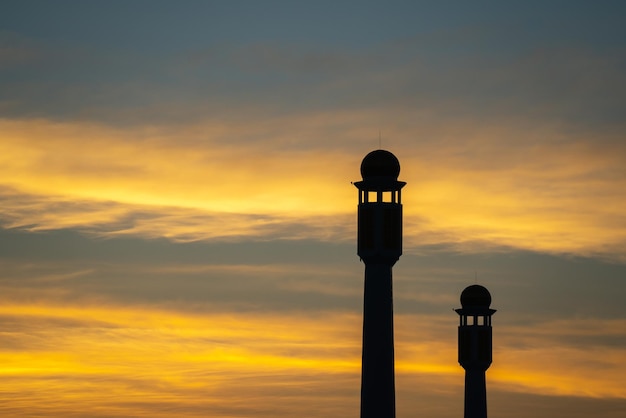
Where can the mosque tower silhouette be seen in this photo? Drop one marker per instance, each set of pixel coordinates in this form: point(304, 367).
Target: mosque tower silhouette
point(475, 347)
point(379, 247)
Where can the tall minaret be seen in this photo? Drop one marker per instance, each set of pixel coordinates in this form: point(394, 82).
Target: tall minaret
point(379, 246)
point(475, 347)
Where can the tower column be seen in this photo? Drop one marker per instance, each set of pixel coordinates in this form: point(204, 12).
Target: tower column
point(475, 394)
point(377, 367)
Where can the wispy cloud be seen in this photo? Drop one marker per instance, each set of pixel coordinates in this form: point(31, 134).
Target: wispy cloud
point(115, 348)
point(541, 189)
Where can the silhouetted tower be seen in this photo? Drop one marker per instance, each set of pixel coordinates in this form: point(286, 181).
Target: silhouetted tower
point(475, 347)
point(379, 247)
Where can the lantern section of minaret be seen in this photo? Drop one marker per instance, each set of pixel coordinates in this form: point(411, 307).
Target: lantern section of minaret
point(380, 209)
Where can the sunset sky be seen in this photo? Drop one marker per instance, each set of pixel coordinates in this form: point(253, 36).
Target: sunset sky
point(178, 224)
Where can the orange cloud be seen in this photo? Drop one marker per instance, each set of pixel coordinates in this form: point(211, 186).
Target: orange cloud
point(536, 190)
point(138, 360)
point(109, 357)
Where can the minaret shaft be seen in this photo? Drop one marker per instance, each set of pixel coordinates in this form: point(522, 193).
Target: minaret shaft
point(377, 378)
point(475, 394)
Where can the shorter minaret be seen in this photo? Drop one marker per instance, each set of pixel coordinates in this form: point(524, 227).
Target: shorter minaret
point(475, 347)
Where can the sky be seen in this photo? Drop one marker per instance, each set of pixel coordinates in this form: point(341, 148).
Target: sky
point(178, 223)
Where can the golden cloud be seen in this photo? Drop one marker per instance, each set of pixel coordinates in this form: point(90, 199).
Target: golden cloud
point(535, 190)
point(138, 358)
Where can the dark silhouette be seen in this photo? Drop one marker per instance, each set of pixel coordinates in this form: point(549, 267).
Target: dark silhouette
point(475, 347)
point(379, 247)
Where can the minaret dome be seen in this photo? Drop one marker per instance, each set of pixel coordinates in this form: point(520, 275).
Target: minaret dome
point(475, 296)
point(380, 163)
